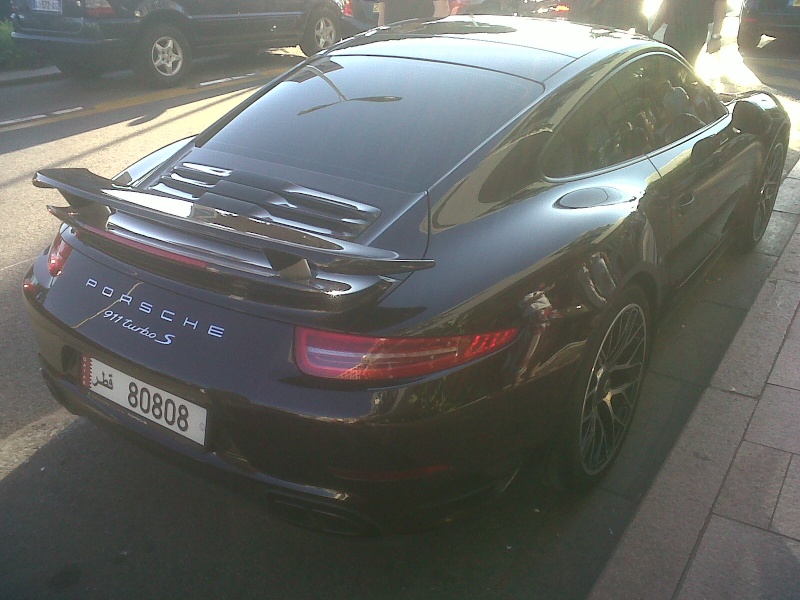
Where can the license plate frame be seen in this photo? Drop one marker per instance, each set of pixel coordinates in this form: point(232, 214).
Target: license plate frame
point(51, 6)
point(145, 400)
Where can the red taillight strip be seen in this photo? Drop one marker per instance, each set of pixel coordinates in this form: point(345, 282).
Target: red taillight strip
point(134, 245)
point(81, 227)
point(59, 253)
point(351, 357)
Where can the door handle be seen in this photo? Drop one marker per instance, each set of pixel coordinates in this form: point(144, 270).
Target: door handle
point(685, 201)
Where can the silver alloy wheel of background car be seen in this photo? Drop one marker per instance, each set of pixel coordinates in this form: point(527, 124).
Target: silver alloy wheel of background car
point(768, 193)
point(162, 56)
point(325, 32)
point(613, 388)
point(167, 56)
point(322, 31)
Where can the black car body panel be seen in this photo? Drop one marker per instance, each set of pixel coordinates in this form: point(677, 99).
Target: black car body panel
point(212, 269)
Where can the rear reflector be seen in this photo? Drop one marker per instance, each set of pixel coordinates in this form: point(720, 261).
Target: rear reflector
point(359, 358)
point(59, 252)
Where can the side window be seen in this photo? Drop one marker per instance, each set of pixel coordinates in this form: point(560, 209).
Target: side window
point(664, 101)
point(592, 138)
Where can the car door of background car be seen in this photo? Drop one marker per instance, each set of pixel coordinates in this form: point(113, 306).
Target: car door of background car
point(289, 17)
point(677, 112)
point(230, 22)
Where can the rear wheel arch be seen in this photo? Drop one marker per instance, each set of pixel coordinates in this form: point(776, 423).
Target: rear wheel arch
point(566, 466)
point(649, 285)
point(170, 16)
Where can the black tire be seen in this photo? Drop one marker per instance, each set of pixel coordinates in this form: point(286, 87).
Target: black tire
point(759, 209)
point(162, 56)
point(748, 40)
point(323, 30)
point(604, 393)
point(78, 69)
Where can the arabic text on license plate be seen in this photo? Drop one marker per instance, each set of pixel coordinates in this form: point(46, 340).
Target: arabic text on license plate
point(168, 410)
point(47, 5)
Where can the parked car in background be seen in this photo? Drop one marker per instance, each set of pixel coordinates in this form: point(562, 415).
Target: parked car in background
point(159, 40)
point(556, 9)
point(358, 16)
point(776, 18)
point(371, 305)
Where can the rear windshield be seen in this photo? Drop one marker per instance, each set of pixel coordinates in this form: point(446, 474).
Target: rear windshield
point(393, 122)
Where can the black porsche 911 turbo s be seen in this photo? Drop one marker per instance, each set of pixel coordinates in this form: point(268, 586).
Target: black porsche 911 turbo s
point(371, 288)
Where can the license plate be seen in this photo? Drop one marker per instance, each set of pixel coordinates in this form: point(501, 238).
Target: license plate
point(156, 405)
point(796, 3)
point(47, 5)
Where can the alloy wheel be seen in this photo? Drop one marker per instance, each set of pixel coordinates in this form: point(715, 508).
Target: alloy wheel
point(325, 32)
point(613, 389)
point(167, 56)
point(768, 192)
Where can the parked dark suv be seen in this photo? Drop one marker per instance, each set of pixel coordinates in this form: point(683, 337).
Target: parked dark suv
point(159, 38)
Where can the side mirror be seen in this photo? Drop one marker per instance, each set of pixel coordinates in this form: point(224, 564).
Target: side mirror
point(750, 117)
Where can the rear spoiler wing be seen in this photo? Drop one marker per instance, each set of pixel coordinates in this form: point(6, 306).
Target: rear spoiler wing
point(293, 254)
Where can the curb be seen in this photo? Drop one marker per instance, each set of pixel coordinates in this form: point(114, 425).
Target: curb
point(8, 78)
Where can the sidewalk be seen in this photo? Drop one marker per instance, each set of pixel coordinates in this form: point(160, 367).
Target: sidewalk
point(722, 518)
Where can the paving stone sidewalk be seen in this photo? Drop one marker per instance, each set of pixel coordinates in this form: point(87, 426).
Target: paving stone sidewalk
point(722, 518)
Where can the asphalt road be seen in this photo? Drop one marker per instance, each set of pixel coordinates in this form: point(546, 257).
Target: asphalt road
point(84, 515)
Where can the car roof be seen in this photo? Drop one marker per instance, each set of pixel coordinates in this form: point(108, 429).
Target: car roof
point(525, 47)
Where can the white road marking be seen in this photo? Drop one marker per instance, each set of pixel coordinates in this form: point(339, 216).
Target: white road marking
point(20, 446)
point(22, 120)
point(66, 111)
point(225, 80)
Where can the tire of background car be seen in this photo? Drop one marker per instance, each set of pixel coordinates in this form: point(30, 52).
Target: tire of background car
point(748, 39)
point(322, 31)
point(78, 69)
point(162, 56)
point(604, 394)
point(759, 209)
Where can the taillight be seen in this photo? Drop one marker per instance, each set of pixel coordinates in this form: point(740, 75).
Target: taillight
point(562, 8)
point(347, 11)
point(360, 358)
point(59, 252)
point(457, 5)
point(98, 9)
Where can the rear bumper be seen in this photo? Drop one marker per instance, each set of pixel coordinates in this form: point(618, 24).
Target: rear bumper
point(357, 509)
point(295, 464)
point(108, 53)
point(101, 42)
